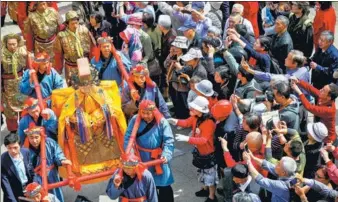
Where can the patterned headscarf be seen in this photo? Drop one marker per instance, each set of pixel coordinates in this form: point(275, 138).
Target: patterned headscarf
point(134, 43)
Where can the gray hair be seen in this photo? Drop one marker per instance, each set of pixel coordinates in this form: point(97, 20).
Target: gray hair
point(284, 20)
point(278, 79)
point(289, 165)
point(298, 57)
point(328, 35)
point(245, 197)
point(214, 30)
point(164, 21)
point(239, 7)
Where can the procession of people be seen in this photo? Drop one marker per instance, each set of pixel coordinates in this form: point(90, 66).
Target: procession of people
point(91, 93)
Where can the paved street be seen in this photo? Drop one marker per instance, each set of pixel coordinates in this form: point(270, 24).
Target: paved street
point(184, 173)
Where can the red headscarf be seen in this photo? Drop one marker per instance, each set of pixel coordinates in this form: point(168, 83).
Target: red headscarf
point(140, 69)
point(150, 106)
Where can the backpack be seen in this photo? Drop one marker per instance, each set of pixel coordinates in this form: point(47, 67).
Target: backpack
point(274, 67)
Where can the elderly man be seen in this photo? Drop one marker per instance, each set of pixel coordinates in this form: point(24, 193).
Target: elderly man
point(284, 171)
point(281, 43)
point(16, 169)
point(48, 78)
point(294, 64)
point(41, 28)
point(236, 18)
point(167, 9)
point(13, 62)
point(325, 109)
point(135, 184)
point(71, 44)
point(147, 90)
point(105, 63)
point(196, 17)
point(34, 114)
point(167, 37)
point(154, 140)
point(324, 61)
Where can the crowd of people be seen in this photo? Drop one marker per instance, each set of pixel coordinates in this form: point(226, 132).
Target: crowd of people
point(242, 75)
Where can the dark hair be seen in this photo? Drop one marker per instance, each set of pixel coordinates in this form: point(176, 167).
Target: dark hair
point(148, 19)
point(245, 74)
point(237, 52)
point(214, 42)
point(240, 171)
point(282, 89)
point(324, 5)
point(333, 91)
point(224, 72)
point(324, 168)
point(265, 42)
point(253, 120)
point(241, 29)
point(296, 148)
point(11, 139)
point(98, 17)
point(303, 5)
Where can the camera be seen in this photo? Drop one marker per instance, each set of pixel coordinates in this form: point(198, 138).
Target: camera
point(260, 98)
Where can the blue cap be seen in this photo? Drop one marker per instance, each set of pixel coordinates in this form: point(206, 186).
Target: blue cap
point(197, 5)
point(188, 24)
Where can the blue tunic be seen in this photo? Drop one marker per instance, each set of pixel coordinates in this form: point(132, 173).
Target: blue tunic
point(144, 188)
point(160, 135)
point(150, 93)
point(112, 71)
point(54, 156)
point(47, 85)
point(50, 126)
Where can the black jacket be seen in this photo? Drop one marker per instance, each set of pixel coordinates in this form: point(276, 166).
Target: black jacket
point(10, 180)
point(105, 27)
point(301, 32)
point(166, 41)
point(280, 48)
point(327, 63)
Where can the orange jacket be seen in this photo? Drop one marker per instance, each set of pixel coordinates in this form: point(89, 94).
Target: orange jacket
point(324, 20)
point(204, 141)
point(250, 12)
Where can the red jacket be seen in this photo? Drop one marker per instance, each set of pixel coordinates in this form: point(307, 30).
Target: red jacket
point(230, 162)
point(327, 114)
point(324, 20)
point(250, 12)
point(205, 140)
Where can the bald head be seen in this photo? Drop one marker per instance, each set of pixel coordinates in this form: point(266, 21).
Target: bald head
point(254, 141)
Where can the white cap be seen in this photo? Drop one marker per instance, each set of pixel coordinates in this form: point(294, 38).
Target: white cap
point(192, 54)
point(200, 104)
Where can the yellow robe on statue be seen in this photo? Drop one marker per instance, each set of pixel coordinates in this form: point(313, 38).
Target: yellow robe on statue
point(99, 153)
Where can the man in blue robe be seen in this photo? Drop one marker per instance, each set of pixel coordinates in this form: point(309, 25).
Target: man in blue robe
point(154, 140)
point(133, 183)
point(33, 114)
point(48, 78)
point(147, 90)
point(54, 158)
point(105, 63)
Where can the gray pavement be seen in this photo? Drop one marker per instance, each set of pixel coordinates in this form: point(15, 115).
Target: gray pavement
point(186, 183)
